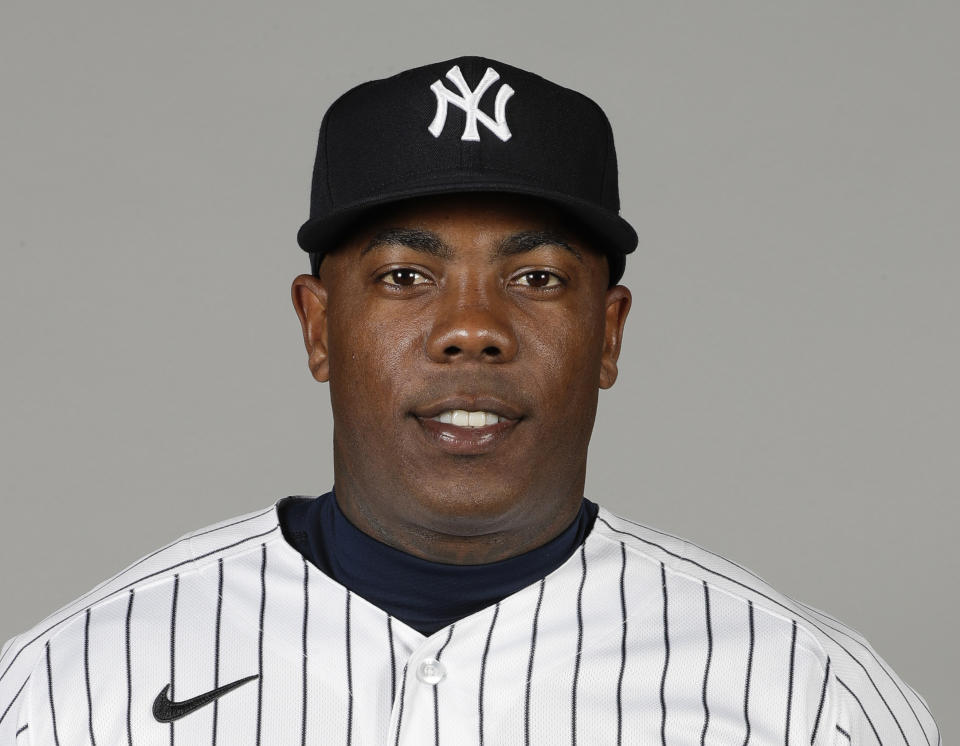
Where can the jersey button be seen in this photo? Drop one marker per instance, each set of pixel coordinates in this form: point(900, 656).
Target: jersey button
point(431, 671)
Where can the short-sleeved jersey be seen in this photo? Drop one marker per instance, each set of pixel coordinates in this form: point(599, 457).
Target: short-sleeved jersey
point(230, 636)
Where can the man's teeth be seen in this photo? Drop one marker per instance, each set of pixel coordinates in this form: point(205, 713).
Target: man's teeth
point(463, 418)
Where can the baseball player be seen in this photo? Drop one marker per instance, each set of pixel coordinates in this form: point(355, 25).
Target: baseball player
point(455, 587)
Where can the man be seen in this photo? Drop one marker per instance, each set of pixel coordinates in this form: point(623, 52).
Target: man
point(455, 587)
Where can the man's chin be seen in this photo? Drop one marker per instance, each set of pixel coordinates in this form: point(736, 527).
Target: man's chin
point(464, 508)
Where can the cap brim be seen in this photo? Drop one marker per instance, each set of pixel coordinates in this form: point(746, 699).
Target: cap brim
point(614, 234)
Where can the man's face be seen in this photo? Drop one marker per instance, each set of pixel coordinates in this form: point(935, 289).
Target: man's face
point(464, 339)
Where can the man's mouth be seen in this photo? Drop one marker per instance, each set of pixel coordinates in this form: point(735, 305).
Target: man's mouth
point(467, 425)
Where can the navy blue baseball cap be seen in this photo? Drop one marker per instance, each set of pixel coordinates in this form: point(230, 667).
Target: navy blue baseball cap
point(469, 124)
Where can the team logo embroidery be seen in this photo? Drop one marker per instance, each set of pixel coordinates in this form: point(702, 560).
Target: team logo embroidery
point(469, 101)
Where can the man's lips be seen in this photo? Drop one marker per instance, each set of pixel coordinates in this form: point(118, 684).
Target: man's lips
point(461, 438)
point(466, 441)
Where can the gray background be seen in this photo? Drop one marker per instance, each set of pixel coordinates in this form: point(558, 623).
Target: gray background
point(788, 390)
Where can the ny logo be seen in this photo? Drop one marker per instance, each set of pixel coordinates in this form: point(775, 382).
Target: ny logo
point(469, 101)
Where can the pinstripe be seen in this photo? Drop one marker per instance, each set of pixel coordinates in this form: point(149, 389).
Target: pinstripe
point(823, 696)
point(576, 664)
point(862, 708)
point(623, 640)
point(15, 696)
point(746, 689)
point(814, 622)
point(129, 669)
point(86, 675)
point(706, 670)
point(173, 646)
point(436, 695)
point(349, 675)
point(483, 667)
point(845, 734)
point(216, 647)
point(446, 642)
point(263, 611)
point(436, 717)
point(919, 699)
point(393, 661)
point(533, 648)
point(666, 658)
point(793, 661)
point(53, 709)
point(131, 585)
point(303, 648)
point(403, 688)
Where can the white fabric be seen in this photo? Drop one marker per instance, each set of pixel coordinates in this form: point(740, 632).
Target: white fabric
point(639, 638)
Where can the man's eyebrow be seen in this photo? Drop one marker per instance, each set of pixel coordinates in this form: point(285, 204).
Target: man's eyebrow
point(429, 242)
point(518, 243)
point(414, 238)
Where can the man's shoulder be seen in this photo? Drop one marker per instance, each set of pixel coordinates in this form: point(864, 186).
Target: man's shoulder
point(102, 610)
point(689, 565)
point(853, 681)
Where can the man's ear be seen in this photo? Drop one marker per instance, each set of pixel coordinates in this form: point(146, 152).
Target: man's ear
point(618, 302)
point(310, 301)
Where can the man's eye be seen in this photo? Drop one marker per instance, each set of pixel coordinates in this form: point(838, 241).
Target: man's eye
point(403, 277)
point(539, 279)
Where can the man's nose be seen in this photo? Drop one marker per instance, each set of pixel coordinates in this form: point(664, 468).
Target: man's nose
point(472, 324)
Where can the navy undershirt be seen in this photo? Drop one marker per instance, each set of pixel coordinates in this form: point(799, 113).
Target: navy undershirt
point(424, 595)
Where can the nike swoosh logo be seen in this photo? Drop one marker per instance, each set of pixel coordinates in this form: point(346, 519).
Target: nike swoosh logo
point(166, 710)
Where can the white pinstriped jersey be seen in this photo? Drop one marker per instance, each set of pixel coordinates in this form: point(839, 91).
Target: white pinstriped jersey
point(638, 638)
